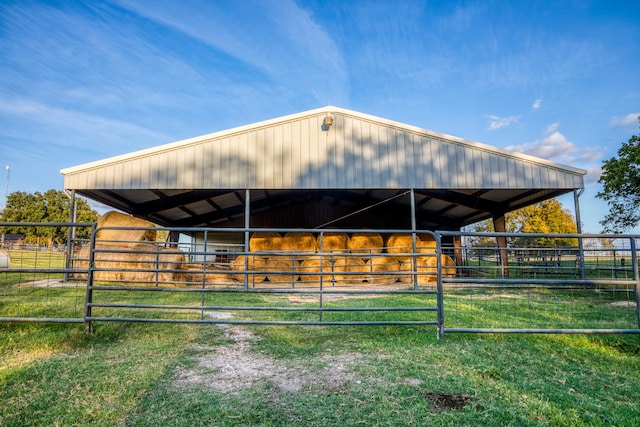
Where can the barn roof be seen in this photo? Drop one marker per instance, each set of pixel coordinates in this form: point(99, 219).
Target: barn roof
point(357, 161)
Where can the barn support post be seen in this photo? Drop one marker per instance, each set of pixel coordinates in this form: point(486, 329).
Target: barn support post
point(457, 249)
point(71, 233)
point(576, 204)
point(499, 225)
point(412, 196)
point(636, 274)
point(247, 224)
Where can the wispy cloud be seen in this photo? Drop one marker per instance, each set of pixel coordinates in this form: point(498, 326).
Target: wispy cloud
point(551, 128)
point(496, 122)
point(79, 128)
point(629, 119)
point(280, 40)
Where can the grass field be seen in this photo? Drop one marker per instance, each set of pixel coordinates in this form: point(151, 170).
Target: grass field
point(184, 375)
point(139, 374)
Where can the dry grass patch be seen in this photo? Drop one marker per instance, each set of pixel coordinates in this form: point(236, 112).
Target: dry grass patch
point(233, 368)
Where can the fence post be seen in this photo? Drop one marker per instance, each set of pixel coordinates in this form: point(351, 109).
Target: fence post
point(88, 324)
point(439, 288)
point(636, 276)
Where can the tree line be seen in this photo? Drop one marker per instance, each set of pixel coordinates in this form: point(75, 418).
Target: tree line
point(52, 206)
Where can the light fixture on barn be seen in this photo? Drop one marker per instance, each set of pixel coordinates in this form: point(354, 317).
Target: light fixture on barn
point(327, 122)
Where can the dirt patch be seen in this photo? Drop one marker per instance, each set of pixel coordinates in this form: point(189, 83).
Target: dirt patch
point(445, 401)
point(49, 283)
point(624, 304)
point(236, 367)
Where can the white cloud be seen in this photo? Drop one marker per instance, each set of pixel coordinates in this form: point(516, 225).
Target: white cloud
point(496, 122)
point(593, 174)
point(629, 119)
point(555, 146)
point(536, 104)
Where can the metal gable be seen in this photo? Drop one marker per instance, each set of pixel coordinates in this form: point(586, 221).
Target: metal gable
point(189, 180)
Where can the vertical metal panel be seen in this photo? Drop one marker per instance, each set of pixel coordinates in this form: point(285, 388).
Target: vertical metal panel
point(511, 172)
point(355, 152)
point(359, 153)
point(425, 160)
point(486, 174)
point(544, 177)
point(404, 157)
point(361, 131)
point(339, 148)
point(502, 171)
point(462, 167)
point(476, 172)
point(351, 160)
point(249, 161)
point(452, 177)
point(494, 170)
point(411, 157)
point(436, 161)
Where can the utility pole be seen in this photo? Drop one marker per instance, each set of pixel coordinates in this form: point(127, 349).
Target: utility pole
point(6, 188)
point(6, 196)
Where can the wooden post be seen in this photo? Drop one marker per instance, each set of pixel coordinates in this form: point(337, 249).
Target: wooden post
point(457, 249)
point(499, 226)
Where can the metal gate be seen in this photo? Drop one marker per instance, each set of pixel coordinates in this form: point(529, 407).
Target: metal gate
point(540, 283)
point(42, 280)
point(304, 279)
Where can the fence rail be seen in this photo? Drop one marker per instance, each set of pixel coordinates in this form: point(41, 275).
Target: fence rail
point(587, 285)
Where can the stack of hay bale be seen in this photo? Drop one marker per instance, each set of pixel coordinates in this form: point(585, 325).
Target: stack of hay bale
point(130, 254)
point(300, 258)
point(263, 243)
point(425, 266)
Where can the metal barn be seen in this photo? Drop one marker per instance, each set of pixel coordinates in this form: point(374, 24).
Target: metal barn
point(327, 167)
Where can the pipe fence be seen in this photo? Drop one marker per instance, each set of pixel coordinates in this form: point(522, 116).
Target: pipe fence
point(455, 281)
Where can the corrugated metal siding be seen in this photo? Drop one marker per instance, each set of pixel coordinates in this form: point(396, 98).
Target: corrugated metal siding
point(298, 154)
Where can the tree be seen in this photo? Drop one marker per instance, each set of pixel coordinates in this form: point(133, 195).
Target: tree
point(548, 217)
point(52, 206)
point(621, 187)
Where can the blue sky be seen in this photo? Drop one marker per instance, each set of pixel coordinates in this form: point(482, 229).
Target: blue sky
point(82, 81)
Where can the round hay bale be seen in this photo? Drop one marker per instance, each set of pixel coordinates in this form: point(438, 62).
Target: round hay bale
point(287, 266)
point(333, 242)
point(448, 265)
point(123, 237)
point(196, 276)
point(417, 265)
point(168, 264)
point(298, 241)
point(426, 269)
point(398, 244)
point(315, 264)
point(265, 241)
point(426, 244)
point(349, 271)
point(253, 264)
point(378, 266)
point(365, 243)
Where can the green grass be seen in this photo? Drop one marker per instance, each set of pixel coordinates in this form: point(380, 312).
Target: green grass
point(29, 259)
point(157, 374)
